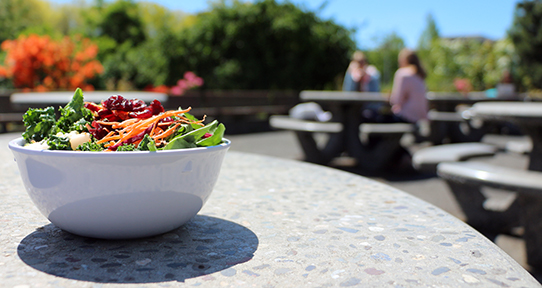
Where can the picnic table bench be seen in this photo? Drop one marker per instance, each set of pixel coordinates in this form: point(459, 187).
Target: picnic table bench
point(378, 139)
point(373, 145)
point(466, 179)
point(426, 159)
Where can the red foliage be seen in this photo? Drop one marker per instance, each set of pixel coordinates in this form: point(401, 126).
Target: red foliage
point(38, 63)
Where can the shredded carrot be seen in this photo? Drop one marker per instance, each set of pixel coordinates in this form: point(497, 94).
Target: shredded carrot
point(123, 131)
point(167, 133)
point(110, 136)
point(126, 123)
point(107, 123)
point(157, 130)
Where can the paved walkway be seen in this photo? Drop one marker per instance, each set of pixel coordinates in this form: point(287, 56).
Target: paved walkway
point(430, 188)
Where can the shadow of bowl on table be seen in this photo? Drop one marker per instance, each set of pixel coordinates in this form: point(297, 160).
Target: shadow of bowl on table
point(202, 246)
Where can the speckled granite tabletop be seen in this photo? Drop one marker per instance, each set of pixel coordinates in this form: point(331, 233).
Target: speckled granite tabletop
point(269, 223)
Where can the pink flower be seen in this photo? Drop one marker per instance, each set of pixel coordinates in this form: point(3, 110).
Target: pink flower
point(189, 75)
point(198, 81)
point(183, 84)
point(176, 90)
point(189, 81)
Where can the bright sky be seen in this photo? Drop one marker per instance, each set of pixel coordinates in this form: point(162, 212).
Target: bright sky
point(377, 18)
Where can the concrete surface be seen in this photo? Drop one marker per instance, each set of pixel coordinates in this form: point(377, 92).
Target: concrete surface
point(430, 188)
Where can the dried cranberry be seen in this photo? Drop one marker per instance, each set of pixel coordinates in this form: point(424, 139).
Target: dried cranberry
point(115, 102)
point(157, 107)
point(92, 107)
point(207, 135)
point(167, 120)
point(106, 114)
point(99, 131)
point(144, 114)
point(135, 105)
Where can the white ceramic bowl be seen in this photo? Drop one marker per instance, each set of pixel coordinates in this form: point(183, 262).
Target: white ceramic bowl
point(119, 195)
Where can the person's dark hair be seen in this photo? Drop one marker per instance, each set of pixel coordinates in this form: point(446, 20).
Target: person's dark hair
point(411, 58)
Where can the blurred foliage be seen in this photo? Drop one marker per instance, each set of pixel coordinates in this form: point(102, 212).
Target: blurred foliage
point(526, 35)
point(16, 16)
point(482, 62)
point(264, 45)
point(384, 57)
point(233, 45)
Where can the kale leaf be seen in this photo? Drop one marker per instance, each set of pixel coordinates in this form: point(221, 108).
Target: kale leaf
point(90, 146)
point(59, 143)
point(127, 147)
point(39, 123)
point(74, 115)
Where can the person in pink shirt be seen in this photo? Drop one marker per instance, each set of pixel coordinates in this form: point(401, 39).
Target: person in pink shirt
point(407, 99)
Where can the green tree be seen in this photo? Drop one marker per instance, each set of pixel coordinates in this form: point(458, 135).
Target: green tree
point(120, 32)
point(261, 45)
point(429, 34)
point(385, 57)
point(526, 35)
point(17, 16)
point(482, 62)
point(121, 21)
point(426, 42)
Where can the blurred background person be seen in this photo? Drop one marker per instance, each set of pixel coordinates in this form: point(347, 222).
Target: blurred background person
point(360, 76)
point(506, 88)
point(407, 99)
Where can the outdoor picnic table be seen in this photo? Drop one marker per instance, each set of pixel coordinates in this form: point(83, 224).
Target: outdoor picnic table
point(448, 101)
point(270, 222)
point(528, 117)
point(456, 129)
point(346, 108)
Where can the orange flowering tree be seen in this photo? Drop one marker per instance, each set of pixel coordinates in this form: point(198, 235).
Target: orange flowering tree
point(39, 63)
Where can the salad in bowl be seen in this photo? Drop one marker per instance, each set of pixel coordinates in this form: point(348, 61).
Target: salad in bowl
point(117, 124)
point(119, 169)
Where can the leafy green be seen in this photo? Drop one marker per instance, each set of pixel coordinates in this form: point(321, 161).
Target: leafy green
point(127, 147)
point(179, 143)
point(74, 112)
point(90, 146)
point(215, 139)
point(192, 118)
point(39, 123)
point(147, 144)
point(190, 139)
point(59, 143)
point(42, 123)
